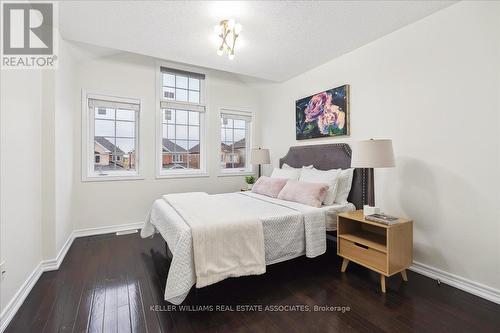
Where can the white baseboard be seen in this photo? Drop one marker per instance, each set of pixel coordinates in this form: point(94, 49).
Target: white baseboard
point(458, 282)
point(106, 230)
point(54, 264)
point(15, 303)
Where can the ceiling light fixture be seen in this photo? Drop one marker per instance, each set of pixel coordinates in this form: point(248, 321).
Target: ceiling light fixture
point(227, 31)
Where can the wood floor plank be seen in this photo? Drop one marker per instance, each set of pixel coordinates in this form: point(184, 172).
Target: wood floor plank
point(154, 271)
point(82, 316)
point(112, 283)
point(139, 273)
point(84, 308)
point(123, 319)
point(110, 316)
point(136, 306)
point(75, 298)
point(96, 323)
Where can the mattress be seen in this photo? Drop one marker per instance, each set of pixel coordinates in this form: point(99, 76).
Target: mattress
point(285, 235)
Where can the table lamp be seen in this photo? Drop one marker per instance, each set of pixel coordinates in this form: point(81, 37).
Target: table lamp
point(260, 156)
point(370, 154)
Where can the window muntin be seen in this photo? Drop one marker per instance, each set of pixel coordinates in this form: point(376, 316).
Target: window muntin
point(113, 136)
point(235, 141)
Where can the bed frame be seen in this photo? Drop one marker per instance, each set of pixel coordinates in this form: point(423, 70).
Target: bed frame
point(330, 156)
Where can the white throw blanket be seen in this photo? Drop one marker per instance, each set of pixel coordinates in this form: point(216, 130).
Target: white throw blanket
point(226, 243)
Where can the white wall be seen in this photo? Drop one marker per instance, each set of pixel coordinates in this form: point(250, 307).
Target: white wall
point(98, 204)
point(66, 102)
point(37, 167)
point(21, 188)
point(59, 102)
point(433, 88)
point(47, 165)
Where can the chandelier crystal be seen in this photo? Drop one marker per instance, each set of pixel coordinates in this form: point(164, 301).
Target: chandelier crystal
point(227, 32)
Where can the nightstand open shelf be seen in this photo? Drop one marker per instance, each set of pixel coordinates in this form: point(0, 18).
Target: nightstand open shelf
point(385, 249)
point(369, 239)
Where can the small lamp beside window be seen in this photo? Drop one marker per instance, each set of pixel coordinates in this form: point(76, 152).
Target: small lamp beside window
point(260, 156)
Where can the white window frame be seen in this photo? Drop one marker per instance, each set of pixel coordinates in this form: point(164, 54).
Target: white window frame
point(181, 173)
point(248, 170)
point(88, 158)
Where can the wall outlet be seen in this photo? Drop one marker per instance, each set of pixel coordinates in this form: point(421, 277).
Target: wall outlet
point(3, 270)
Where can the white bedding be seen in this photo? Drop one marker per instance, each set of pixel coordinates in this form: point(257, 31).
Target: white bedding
point(290, 230)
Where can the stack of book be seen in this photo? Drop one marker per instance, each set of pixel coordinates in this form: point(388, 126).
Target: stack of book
point(382, 218)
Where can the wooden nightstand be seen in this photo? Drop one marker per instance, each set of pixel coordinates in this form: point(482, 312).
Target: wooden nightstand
point(385, 249)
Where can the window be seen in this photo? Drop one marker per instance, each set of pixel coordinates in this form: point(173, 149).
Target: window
point(111, 137)
point(235, 140)
point(181, 139)
point(182, 114)
point(181, 86)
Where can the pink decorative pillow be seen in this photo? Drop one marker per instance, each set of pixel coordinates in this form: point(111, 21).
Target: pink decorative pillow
point(269, 186)
point(311, 194)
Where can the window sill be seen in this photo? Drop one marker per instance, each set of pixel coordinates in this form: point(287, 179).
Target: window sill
point(111, 178)
point(183, 175)
point(235, 173)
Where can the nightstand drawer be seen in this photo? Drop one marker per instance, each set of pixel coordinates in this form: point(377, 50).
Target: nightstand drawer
point(363, 254)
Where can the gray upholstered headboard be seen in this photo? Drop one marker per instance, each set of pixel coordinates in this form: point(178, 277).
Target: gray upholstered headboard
point(330, 156)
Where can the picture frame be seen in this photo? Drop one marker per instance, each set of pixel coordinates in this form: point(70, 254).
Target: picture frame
point(324, 114)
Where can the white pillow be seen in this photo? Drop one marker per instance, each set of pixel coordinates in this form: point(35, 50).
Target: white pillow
point(330, 177)
point(344, 185)
point(286, 173)
point(286, 166)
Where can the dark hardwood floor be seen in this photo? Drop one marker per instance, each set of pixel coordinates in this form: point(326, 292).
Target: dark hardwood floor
point(114, 283)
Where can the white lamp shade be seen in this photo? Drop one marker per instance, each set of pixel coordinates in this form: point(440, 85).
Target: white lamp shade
point(260, 156)
point(372, 154)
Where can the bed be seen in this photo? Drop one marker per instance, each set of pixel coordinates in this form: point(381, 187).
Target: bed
point(289, 229)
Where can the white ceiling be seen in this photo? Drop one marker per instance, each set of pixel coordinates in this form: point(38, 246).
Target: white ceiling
point(280, 39)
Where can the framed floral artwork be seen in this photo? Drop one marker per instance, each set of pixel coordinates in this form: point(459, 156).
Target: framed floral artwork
point(325, 114)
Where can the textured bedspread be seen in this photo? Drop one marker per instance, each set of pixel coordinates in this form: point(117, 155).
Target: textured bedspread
point(290, 230)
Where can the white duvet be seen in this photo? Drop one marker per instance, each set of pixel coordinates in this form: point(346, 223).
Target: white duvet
point(290, 230)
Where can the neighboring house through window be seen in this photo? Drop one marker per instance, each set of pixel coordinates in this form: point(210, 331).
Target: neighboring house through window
point(182, 113)
point(111, 134)
point(235, 134)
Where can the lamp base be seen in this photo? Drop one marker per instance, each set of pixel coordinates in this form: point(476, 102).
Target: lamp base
point(371, 187)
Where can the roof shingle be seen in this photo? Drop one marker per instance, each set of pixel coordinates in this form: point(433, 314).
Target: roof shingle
point(169, 146)
point(108, 145)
